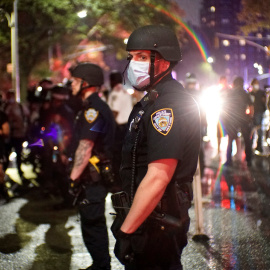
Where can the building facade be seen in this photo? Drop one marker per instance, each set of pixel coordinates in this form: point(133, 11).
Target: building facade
point(233, 55)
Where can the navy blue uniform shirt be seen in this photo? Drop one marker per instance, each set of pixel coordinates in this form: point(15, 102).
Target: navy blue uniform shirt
point(169, 129)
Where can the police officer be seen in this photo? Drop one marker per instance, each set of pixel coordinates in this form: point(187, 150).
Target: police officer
point(259, 101)
point(94, 131)
point(159, 156)
point(239, 103)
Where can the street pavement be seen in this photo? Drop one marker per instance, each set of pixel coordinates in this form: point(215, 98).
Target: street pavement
point(236, 203)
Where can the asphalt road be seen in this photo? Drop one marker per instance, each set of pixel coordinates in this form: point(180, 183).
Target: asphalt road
point(34, 236)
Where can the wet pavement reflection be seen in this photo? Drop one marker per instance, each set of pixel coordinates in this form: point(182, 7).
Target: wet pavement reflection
point(236, 203)
point(236, 215)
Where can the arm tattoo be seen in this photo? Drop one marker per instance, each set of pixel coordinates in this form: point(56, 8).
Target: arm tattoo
point(84, 147)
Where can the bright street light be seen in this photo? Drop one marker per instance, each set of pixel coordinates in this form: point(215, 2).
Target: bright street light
point(210, 60)
point(82, 14)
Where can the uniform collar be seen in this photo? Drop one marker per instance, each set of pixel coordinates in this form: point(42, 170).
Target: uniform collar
point(91, 99)
point(159, 86)
point(152, 95)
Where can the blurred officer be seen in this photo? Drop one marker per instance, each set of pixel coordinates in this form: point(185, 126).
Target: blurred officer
point(191, 85)
point(120, 103)
point(94, 132)
point(60, 128)
point(18, 121)
point(119, 100)
point(159, 156)
point(240, 111)
point(259, 102)
point(4, 134)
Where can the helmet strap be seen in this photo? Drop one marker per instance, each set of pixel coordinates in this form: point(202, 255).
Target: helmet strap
point(123, 73)
point(152, 67)
point(82, 87)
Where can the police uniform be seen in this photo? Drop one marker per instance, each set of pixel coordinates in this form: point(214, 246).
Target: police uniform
point(95, 122)
point(165, 125)
point(238, 101)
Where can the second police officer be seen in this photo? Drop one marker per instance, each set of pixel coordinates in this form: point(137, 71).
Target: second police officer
point(94, 132)
point(159, 156)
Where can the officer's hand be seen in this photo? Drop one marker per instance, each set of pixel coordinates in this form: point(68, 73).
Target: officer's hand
point(74, 187)
point(122, 249)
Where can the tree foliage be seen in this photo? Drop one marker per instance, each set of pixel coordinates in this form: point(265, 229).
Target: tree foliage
point(255, 15)
point(43, 23)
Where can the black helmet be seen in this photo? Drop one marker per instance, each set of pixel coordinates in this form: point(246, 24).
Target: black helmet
point(88, 72)
point(156, 38)
point(60, 92)
point(115, 78)
point(191, 78)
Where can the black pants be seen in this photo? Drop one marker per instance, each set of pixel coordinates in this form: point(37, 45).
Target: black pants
point(257, 120)
point(17, 144)
point(93, 225)
point(163, 250)
point(245, 128)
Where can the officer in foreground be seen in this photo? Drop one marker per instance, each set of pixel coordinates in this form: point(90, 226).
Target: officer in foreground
point(94, 132)
point(159, 157)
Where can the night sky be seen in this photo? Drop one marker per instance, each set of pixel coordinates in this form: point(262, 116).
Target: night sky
point(192, 9)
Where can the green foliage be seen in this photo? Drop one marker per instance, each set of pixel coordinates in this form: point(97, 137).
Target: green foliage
point(43, 23)
point(255, 15)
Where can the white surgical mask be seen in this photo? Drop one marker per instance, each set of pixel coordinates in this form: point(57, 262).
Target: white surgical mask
point(138, 74)
point(256, 86)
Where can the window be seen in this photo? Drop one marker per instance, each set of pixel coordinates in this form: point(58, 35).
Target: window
point(227, 57)
point(242, 42)
point(212, 9)
point(243, 56)
point(226, 43)
point(225, 21)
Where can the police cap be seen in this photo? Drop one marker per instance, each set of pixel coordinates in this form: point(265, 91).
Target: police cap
point(157, 38)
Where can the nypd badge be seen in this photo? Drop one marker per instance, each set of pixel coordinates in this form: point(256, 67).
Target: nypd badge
point(91, 115)
point(162, 120)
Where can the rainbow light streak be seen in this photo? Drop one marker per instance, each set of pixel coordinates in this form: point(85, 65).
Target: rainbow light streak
point(221, 129)
point(188, 29)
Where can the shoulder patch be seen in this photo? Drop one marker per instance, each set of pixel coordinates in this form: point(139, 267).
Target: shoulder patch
point(162, 120)
point(90, 115)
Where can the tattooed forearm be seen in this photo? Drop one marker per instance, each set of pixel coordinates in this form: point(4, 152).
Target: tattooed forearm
point(81, 151)
point(82, 155)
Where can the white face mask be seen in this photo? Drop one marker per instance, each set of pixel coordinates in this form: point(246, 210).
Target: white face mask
point(256, 87)
point(138, 74)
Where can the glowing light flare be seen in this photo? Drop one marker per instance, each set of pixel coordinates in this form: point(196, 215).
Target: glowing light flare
point(211, 104)
point(37, 143)
point(24, 144)
point(39, 89)
point(210, 60)
point(125, 40)
point(12, 156)
point(82, 14)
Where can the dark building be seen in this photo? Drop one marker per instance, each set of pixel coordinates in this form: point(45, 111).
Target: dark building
point(233, 56)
